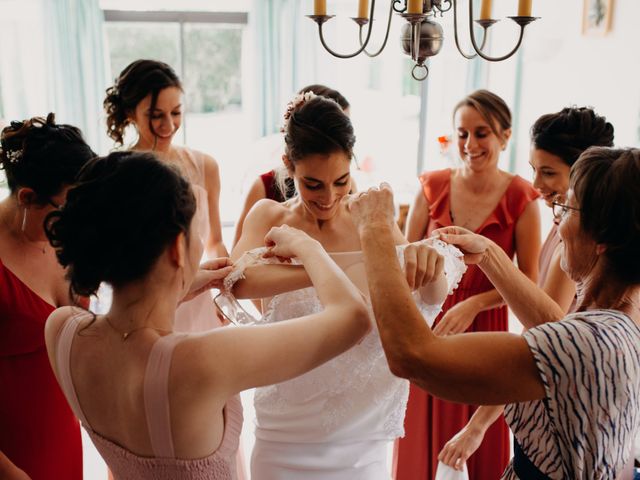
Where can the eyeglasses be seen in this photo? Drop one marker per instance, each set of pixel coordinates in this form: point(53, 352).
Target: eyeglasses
point(560, 210)
point(233, 311)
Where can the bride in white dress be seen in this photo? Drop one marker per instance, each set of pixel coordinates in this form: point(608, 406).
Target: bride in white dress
point(335, 422)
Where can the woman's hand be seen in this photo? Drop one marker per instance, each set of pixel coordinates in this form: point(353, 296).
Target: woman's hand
point(463, 444)
point(458, 318)
point(472, 245)
point(287, 242)
point(422, 264)
point(210, 275)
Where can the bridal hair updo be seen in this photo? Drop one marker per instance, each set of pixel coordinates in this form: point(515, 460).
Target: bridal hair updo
point(135, 82)
point(569, 132)
point(491, 107)
point(111, 229)
point(316, 125)
point(606, 185)
point(42, 155)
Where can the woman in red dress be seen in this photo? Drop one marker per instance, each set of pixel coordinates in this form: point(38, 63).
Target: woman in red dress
point(38, 432)
point(500, 206)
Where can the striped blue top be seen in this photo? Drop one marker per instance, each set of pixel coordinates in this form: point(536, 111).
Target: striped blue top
point(584, 428)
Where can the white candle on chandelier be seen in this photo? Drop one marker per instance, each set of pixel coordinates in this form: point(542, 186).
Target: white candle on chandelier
point(363, 9)
point(485, 10)
point(415, 6)
point(319, 7)
point(524, 8)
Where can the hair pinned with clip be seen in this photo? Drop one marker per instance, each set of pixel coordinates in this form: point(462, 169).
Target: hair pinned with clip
point(14, 156)
point(297, 101)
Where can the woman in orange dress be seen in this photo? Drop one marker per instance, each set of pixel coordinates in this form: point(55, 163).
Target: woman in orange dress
point(494, 203)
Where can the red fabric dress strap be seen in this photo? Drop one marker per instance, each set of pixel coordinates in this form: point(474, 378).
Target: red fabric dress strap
point(436, 186)
point(519, 194)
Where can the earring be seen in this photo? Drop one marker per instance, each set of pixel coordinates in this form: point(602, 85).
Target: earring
point(24, 218)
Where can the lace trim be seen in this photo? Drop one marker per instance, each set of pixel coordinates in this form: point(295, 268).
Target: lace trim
point(356, 381)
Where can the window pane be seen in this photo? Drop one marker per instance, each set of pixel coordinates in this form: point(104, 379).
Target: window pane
point(212, 56)
point(217, 118)
point(129, 41)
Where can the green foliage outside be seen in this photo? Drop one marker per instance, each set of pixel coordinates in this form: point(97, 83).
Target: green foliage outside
point(212, 56)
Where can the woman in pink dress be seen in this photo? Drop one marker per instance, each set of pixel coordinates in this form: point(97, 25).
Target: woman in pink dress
point(496, 204)
point(148, 95)
point(159, 404)
point(557, 140)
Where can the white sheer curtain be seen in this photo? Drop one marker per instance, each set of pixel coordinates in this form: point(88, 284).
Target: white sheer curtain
point(52, 60)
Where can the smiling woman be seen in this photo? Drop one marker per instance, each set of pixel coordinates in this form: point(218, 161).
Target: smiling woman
point(482, 198)
point(350, 409)
point(148, 95)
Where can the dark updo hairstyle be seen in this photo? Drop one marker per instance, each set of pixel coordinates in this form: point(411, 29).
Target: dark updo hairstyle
point(570, 132)
point(42, 155)
point(327, 92)
point(491, 107)
point(606, 185)
point(137, 80)
point(124, 211)
point(317, 126)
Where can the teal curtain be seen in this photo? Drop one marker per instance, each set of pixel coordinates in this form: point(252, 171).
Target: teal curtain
point(286, 45)
point(77, 63)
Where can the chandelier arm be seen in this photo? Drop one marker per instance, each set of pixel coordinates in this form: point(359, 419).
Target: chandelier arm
point(479, 49)
point(357, 52)
point(386, 36)
point(455, 32)
point(443, 10)
point(399, 10)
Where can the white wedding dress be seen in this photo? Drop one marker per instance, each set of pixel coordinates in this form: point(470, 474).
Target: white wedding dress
point(335, 422)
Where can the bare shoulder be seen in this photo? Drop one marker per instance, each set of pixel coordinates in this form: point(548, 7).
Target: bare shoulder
point(263, 215)
point(270, 212)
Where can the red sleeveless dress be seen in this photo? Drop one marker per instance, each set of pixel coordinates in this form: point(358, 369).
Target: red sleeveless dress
point(38, 431)
point(431, 422)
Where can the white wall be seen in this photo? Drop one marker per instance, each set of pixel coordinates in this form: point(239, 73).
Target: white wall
point(563, 67)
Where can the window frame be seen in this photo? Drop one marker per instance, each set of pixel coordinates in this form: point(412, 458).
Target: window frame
point(181, 18)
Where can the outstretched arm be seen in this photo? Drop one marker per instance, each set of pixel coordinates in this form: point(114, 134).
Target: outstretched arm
point(249, 357)
point(481, 368)
point(531, 305)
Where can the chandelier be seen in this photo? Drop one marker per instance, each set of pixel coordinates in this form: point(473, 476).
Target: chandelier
point(422, 36)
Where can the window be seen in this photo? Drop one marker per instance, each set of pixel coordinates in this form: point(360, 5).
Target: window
point(206, 49)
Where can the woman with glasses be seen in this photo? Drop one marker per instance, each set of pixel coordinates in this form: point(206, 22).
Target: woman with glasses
point(557, 141)
point(38, 431)
point(571, 382)
point(159, 404)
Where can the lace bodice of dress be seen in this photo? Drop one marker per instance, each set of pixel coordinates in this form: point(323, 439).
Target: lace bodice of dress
point(351, 397)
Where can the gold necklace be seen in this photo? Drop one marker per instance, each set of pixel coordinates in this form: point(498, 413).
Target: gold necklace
point(126, 335)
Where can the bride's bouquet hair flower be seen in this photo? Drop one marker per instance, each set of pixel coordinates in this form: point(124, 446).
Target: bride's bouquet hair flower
point(294, 105)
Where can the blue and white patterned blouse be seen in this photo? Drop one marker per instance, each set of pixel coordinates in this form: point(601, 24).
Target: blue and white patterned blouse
point(584, 428)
